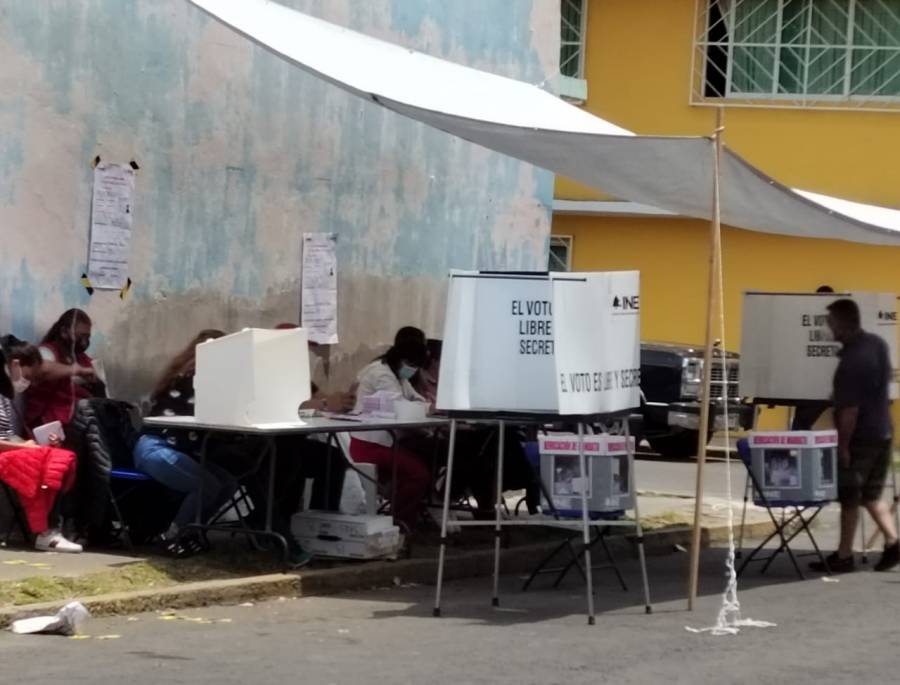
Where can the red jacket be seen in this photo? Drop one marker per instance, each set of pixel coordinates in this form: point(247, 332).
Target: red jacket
point(38, 475)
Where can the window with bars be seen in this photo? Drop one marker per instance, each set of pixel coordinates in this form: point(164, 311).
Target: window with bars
point(799, 52)
point(573, 29)
point(560, 253)
point(571, 49)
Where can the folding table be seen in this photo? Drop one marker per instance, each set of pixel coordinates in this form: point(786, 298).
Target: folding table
point(326, 425)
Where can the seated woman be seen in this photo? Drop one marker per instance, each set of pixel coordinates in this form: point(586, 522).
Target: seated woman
point(167, 456)
point(476, 450)
point(67, 374)
point(316, 462)
point(393, 372)
point(38, 474)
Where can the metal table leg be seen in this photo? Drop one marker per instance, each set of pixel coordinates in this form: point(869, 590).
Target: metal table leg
point(501, 427)
point(586, 525)
point(642, 557)
point(445, 515)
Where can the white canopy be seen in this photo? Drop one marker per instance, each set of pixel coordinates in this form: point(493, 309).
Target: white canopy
point(526, 122)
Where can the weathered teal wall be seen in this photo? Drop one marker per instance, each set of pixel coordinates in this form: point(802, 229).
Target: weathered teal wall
point(239, 154)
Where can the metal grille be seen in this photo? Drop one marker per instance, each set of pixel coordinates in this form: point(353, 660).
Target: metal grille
point(572, 29)
point(716, 385)
point(560, 258)
point(825, 54)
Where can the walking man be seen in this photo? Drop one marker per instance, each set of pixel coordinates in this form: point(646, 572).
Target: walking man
point(863, 421)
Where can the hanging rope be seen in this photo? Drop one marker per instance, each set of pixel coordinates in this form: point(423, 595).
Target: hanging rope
point(729, 620)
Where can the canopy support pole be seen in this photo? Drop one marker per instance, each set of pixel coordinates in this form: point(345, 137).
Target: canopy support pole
point(715, 272)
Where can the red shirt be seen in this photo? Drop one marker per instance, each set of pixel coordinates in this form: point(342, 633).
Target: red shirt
point(55, 400)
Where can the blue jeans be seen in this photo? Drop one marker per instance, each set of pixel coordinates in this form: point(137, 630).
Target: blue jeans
point(182, 473)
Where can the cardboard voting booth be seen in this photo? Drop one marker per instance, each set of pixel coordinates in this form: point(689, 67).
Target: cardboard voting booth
point(794, 466)
point(252, 378)
point(529, 346)
point(541, 343)
point(608, 485)
point(787, 351)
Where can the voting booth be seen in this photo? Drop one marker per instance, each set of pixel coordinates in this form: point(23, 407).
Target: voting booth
point(546, 344)
point(794, 466)
point(608, 483)
point(540, 347)
point(788, 354)
point(252, 378)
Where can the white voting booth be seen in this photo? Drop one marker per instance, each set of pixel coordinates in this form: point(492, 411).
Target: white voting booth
point(787, 350)
point(789, 357)
point(538, 346)
point(541, 343)
point(252, 378)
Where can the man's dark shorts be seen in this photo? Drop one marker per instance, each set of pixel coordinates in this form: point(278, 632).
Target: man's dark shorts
point(863, 480)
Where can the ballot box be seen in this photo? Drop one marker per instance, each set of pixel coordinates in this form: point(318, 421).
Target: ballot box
point(794, 466)
point(608, 482)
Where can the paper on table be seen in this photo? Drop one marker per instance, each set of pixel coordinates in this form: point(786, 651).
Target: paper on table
point(280, 425)
point(319, 287)
point(111, 218)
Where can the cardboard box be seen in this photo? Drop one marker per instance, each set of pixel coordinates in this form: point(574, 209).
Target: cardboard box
point(346, 536)
point(252, 378)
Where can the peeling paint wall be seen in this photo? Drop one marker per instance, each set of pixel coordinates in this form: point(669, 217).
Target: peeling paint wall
point(239, 154)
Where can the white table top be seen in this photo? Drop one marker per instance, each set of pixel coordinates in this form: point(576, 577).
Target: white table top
point(317, 424)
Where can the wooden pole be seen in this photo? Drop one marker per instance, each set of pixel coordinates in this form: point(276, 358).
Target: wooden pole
point(715, 270)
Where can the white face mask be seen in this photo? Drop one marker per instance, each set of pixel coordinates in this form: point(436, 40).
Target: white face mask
point(20, 384)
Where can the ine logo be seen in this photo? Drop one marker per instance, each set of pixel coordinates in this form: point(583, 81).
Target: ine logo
point(887, 316)
point(623, 304)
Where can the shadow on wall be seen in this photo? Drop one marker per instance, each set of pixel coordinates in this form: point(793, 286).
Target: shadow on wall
point(370, 310)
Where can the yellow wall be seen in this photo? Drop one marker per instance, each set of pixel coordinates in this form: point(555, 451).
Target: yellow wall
point(638, 68)
point(672, 256)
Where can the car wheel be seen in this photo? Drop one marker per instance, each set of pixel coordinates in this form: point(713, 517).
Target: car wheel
point(682, 445)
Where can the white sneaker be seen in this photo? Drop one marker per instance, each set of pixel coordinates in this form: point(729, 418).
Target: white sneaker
point(53, 541)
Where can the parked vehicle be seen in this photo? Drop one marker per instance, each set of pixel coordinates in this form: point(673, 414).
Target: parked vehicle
point(671, 385)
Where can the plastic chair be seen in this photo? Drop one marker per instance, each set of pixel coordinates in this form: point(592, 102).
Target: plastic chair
point(131, 480)
point(802, 515)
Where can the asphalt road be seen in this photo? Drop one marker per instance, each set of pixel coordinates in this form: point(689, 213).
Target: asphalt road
point(827, 632)
point(679, 477)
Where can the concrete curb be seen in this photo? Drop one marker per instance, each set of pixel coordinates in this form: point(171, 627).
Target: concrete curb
point(350, 578)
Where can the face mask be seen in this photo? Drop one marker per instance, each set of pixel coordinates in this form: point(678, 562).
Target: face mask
point(406, 371)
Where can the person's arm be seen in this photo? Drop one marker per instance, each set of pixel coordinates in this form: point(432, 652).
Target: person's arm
point(845, 421)
point(338, 402)
point(54, 371)
point(9, 445)
point(848, 392)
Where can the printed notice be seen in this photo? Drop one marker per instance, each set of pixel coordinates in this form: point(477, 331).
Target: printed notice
point(319, 288)
point(111, 219)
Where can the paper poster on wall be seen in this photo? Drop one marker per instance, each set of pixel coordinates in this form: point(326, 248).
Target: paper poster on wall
point(319, 288)
point(787, 350)
point(538, 343)
point(112, 207)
